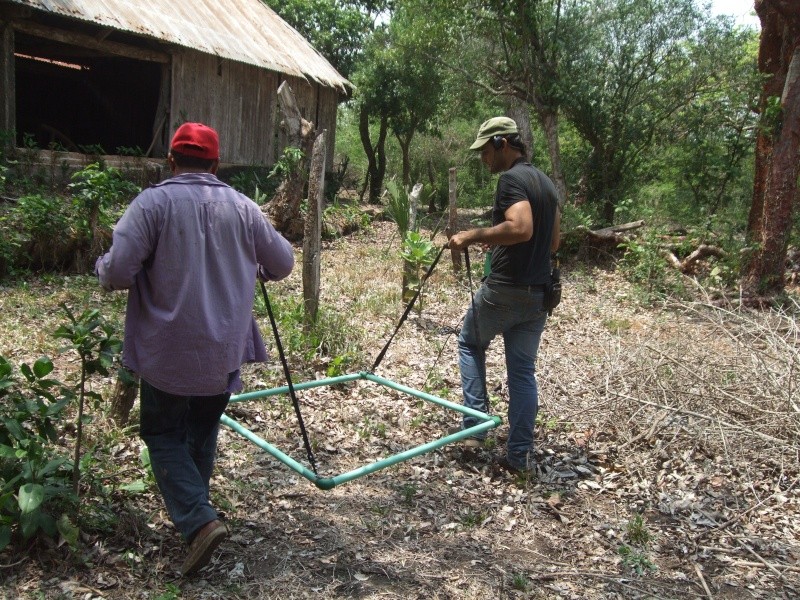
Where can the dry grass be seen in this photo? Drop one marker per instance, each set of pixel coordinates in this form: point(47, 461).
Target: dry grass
point(685, 414)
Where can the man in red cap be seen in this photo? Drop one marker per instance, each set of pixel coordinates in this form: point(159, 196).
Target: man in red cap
point(188, 250)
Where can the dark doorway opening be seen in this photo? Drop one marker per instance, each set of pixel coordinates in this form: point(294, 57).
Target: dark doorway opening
point(71, 98)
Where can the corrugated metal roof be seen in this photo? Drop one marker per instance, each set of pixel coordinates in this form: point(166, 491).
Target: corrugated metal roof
point(247, 31)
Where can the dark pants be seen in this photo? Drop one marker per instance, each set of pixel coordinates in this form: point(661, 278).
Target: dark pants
point(181, 435)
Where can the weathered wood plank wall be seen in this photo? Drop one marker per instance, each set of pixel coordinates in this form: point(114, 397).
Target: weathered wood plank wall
point(8, 117)
point(238, 100)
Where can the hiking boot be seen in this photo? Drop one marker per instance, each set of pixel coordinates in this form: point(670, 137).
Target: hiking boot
point(470, 442)
point(501, 464)
point(203, 545)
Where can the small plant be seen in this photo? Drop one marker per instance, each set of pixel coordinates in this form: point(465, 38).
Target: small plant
point(635, 560)
point(94, 340)
point(418, 253)
point(398, 207)
point(520, 582)
point(44, 229)
point(637, 531)
point(130, 151)
point(287, 163)
point(548, 423)
point(472, 518)
point(34, 478)
point(644, 265)
point(408, 492)
point(96, 190)
point(329, 335)
point(617, 326)
point(634, 554)
point(173, 592)
point(338, 365)
point(92, 149)
point(341, 218)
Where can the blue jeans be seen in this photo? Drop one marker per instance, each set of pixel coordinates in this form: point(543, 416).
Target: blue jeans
point(181, 435)
point(517, 314)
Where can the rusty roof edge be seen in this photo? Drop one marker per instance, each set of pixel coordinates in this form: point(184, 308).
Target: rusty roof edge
point(315, 68)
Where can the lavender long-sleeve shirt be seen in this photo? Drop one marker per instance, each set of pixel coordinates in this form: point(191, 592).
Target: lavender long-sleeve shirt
point(188, 250)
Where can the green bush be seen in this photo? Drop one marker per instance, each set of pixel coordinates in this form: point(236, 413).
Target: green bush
point(330, 340)
point(644, 265)
point(46, 226)
point(35, 491)
point(38, 481)
point(96, 190)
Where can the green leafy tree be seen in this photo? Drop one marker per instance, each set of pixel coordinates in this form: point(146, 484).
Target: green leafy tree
point(715, 133)
point(777, 147)
point(374, 107)
point(94, 339)
point(34, 478)
point(336, 28)
point(635, 65)
point(509, 51)
point(398, 90)
point(415, 83)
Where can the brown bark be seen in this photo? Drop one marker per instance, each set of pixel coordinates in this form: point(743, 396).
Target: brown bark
point(313, 233)
point(549, 122)
point(777, 147)
point(284, 208)
point(122, 400)
point(376, 155)
point(452, 217)
point(608, 236)
point(689, 264)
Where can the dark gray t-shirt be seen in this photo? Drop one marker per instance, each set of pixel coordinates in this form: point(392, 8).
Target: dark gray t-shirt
point(526, 263)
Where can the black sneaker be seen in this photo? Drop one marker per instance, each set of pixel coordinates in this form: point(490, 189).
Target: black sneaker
point(470, 442)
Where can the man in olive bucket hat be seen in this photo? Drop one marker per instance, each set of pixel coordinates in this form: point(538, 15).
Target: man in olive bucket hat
point(525, 231)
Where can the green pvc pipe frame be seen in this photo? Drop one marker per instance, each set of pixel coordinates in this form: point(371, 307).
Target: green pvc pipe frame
point(485, 423)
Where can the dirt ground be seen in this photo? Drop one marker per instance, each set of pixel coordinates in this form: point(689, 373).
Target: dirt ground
point(667, 459)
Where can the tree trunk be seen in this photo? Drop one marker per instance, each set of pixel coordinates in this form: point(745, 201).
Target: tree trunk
point(284, 209)
point(376, 154)
point(777, 148)
point(549, 121)
point(452, 220)
point(405, 144)
point(519, 110)
point(411, 275)
point(313, 232)
point(125, 391)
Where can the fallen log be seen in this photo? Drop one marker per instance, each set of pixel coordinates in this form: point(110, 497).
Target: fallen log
point(688, 265)
point(608, 236)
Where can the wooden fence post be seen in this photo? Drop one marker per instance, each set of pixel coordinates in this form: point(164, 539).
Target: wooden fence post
point(452, 221)
point(312, 233)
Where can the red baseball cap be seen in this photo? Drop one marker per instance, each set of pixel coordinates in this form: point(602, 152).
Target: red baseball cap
point(196, 139)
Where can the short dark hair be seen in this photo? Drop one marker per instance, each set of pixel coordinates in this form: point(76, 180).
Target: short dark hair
point(190, 162)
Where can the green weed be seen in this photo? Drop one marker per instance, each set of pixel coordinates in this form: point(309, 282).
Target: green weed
point(520, 582)
point(637, 531)
point(636, 560)
point(472, 518)
point(408, 492)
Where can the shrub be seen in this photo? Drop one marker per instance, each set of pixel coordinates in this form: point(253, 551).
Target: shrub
point(96, 190)
point(34, 471)
point(44, 223)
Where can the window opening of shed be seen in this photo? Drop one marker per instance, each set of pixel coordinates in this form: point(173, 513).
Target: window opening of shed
point(81, 100)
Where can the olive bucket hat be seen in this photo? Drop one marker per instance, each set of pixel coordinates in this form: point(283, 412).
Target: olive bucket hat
point(492, 127)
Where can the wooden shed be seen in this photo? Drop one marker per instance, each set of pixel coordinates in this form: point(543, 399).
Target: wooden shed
point(119, 76)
